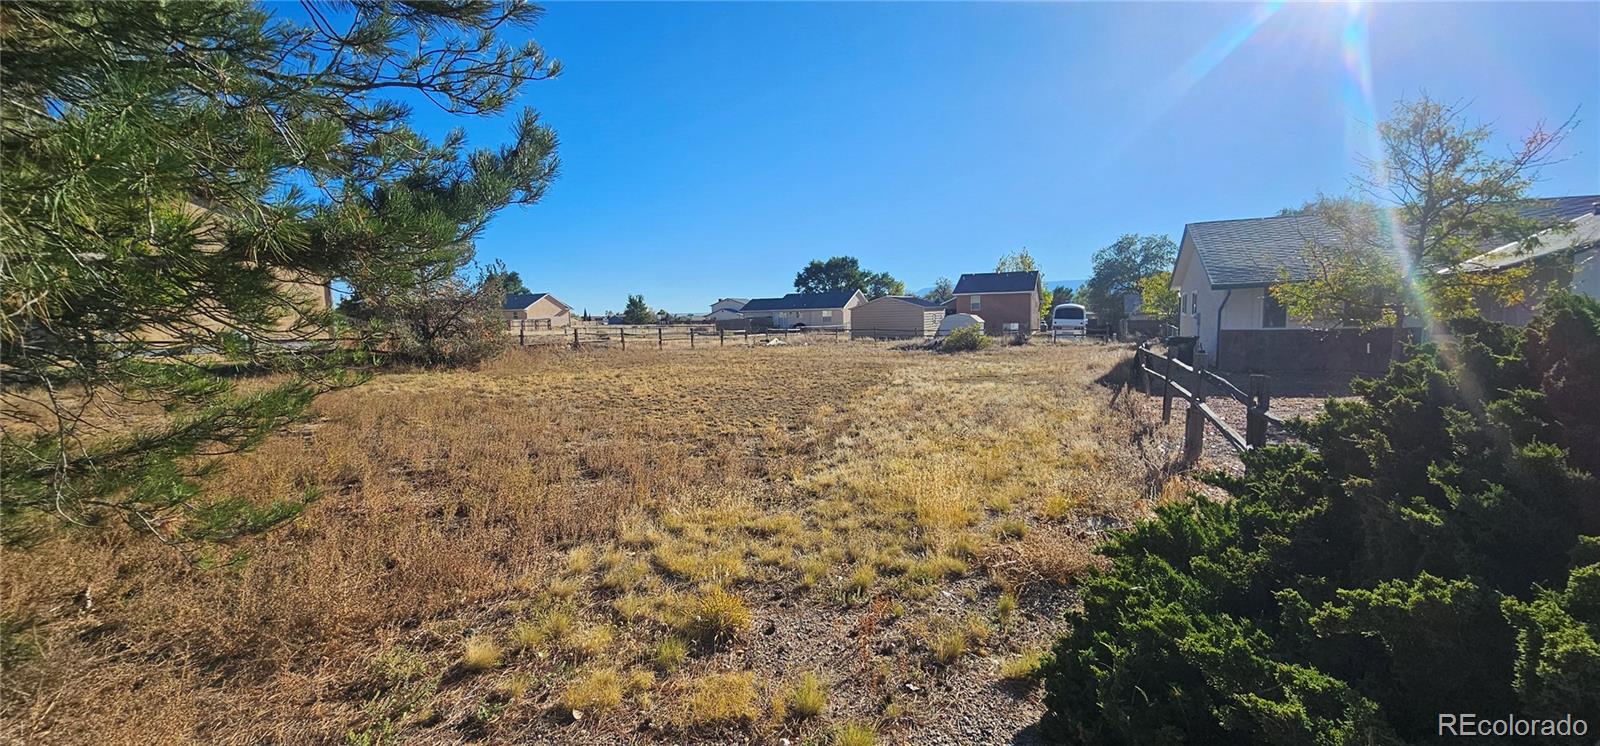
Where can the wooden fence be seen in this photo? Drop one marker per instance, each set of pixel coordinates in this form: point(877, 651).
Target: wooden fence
point(685, 336)
point(528, 334)
point(1165, 371)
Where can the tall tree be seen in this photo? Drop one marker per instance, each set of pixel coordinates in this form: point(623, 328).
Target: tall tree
point(1022, 261)
point(509, 280)
point(1434, 198)
point(1061, 294)
point(942, 291)
point(1118, 268)
point(845, 273)
point(637, 312)
point(1157, 298)
point(182, 174)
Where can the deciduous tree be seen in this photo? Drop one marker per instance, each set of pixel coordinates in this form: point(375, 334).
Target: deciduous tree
point(1435, 197)
point(942, 291)
point(1157, 297)
point(510, 281)
point(1118, 268)
point(845, 273)
point(1022, 261)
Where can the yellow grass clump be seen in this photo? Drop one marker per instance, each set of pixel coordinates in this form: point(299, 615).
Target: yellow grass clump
point(721, 699)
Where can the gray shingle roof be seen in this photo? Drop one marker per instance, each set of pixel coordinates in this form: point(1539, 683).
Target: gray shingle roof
point(519, 302)
point(997, 282)
point(1581, 233)
point(1260, 251)
point(915, 301)
point(799, 301)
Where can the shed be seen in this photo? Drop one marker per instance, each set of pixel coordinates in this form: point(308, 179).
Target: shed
point(958, 321)
point(896, 317)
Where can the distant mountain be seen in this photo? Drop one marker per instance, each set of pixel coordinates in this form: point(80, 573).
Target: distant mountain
point(1049, 284)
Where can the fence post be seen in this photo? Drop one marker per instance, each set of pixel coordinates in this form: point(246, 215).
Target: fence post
point(522, 333)
point(624, 331)
point(1144, 371)
point(691, 337)
point(1194, 433)
point(721, 337)
point(661, 342)
point(1255, 425)
point(1194, 422)
point(1166, 390)
point(574, 337)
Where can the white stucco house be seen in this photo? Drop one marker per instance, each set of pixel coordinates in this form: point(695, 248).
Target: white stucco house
point(1225, 267)
point(727, 309)
point(1564, 256)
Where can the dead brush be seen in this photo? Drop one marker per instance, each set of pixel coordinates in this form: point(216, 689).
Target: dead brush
point(1045, 556)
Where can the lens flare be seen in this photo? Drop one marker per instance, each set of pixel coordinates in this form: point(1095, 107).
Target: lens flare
point(1167, 94)
point(1362, 135)
point(1363, 129)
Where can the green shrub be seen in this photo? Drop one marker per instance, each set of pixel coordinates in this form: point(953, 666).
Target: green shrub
point(966, 339)
point(1430, 548)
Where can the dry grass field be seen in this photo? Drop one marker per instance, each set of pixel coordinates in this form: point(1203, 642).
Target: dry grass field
point(827, 543)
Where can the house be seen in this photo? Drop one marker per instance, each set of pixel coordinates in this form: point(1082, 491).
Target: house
point(797, 310)
point(726, 309)
point(1225, 268)
point(1007, 301)
point(305, 297)
point(1565, 256)
point(896, 317)
point(540, 310)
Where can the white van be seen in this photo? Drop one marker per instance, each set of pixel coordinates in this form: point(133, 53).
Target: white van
point(1069, 318)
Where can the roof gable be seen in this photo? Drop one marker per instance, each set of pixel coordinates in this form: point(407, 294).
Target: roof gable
point(998, 282)
point(521, 301)
point(923, 303)
point(802, 301)
point(1257, 252)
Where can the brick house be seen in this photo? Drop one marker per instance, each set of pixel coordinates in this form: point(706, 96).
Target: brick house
point(1007, 301)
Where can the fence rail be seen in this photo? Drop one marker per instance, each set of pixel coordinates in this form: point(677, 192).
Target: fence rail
point(1154, 367)
point(705, 335)
point(689, 336)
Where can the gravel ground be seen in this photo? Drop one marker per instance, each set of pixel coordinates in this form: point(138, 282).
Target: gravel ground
point(1293, 396)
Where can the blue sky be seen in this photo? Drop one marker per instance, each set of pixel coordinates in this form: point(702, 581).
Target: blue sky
point(712, 149)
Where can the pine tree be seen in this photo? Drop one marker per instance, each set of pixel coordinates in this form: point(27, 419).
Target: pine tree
point(175, 177)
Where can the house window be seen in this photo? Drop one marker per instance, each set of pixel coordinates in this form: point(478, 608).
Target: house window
point(827, 314)
point(1194, 302)
point(977, 303)
point(1273, 314)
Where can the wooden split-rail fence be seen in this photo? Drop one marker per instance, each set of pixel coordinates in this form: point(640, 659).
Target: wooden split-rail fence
point(1175, 378)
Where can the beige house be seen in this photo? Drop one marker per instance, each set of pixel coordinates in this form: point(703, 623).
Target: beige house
point(304, 297)
point(540, 310)
point(1007, 301)
point(896, 317)
point(798, 310)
